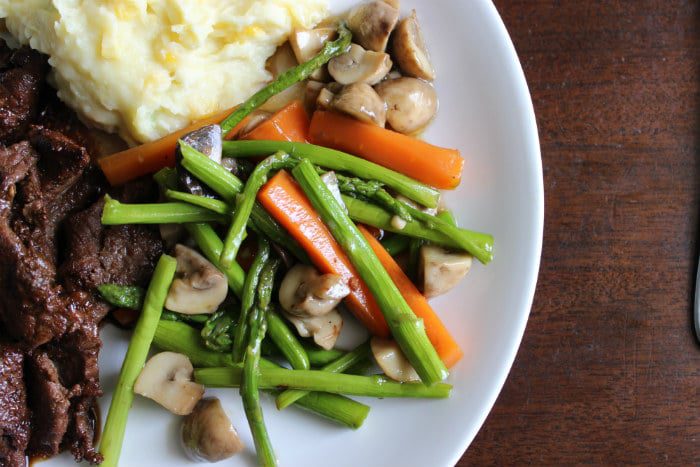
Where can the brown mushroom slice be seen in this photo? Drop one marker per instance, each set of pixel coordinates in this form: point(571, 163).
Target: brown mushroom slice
point(392, 361)
point(198, 286)
point(411, 103)
point(361, 101)
point(409, 49)
point(440, 270)
point(207, 434)
point(371, 24)
point(307, 43)
point(324, 329)
point(306, 293)
point(167, 379)
point(358, 65)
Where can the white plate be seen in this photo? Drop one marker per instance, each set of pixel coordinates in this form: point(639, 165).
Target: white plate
point(485, 111)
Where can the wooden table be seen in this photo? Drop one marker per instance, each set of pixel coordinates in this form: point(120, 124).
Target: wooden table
point(609, 369)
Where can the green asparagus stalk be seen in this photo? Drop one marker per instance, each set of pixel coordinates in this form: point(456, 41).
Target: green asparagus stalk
point(217, 331)
point(286, 341)
point(115, 426)
point(211, 246)
point(373, 190)
point(215, 205)
point(319, 357)
point(166, 178)
point(396, 244)
point(340, 161)
point(335, 407)
point(116, 213)
point(348, 360)
point(322, 381)
point(122, 296)
point(245, 203)
point(407, 329)
point(173, 316)
point(288, 78)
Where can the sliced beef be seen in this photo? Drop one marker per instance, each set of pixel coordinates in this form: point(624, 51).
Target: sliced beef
point(22, 74)
point(14, 414)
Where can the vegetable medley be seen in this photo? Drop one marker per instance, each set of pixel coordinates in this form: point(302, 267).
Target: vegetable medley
point(277, 222)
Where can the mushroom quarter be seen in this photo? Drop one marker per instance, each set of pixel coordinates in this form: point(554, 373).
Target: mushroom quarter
point(198, 286)
point(411, 103)
point(361, 101)
point(207, 433)
point(358, 65)
point(371, 24)
point(409, 49)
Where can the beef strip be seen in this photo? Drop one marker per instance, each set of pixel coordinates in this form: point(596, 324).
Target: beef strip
point(14, 414)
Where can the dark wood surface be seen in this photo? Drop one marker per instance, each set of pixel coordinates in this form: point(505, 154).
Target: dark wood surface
point(609, 370)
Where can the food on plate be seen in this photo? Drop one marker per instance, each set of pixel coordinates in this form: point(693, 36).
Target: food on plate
point(237, 246)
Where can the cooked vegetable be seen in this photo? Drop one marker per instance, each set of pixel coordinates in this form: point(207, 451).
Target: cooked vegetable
point(361, 101)
point(122, 296)
point(116, 213)
point(358, 65)
point(371, 24)
point(305, 292)
point(395, 244)
point(288, 78)
point(308, 42)
point(198, 286)
point(440, 270)
point(211, 245)
point(176, 336)
point(283, 198)
point(324, 329)
point(438, 167)
point(406, 328)
point(206, 140)
point(207, 433)
point(339, 161)
point(217, 331)
point(411, 103)
point(290, 123)
point(439, 336)
point(286, 341)
point(322, 381)
point(113, 434)
point(212, 204)
point(392, 361)
point(348, 360)
point(410, 51)
point(167, 379)
point(319, 357)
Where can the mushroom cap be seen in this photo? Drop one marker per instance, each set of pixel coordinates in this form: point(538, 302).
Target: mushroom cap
point(371, 24)
point(306, 293)
point(207, 433)
point(440, 270)
point(198, 286)
point(358, 65)
point(307, 43)
point(324, 329)
point(361, 101)
point(411, 103)
point(409, 49)
point(392, 361)
point(167, 379)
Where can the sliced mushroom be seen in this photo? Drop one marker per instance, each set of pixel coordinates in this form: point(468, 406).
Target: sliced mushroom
point(440, 270)
point(358, 65)
point(306, 43)
point(331, 181)
point(198, 286)
point(371, 24)
point(167, 379)
point(392, 361)
point(361, 101)
point(207, 433)
point(409, 49)
point(254, 119)
point(208, 141)
point(324, 329)
point(304, 292)
point(411, 103)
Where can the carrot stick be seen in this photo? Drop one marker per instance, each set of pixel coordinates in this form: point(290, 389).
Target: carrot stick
point(291, 123)
point(439, 336)
point(150, 157)
point(287, 203)
point(436, 166)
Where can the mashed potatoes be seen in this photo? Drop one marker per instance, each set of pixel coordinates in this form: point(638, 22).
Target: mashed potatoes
point(145, 68)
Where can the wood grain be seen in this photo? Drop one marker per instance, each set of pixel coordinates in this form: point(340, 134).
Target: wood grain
point(609, 370)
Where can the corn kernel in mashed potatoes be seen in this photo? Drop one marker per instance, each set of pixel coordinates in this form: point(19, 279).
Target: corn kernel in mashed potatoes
point(146, 68)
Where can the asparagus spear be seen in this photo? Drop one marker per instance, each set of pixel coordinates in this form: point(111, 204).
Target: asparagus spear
point(122, 296)
point(113, 434)
point(216, 332)
point(322, 381)
point(212, 204)
point(173, 316)
point(289, 77)
point(406, 328)
point(396, 244)
point(348, 360)
point(286, 341)
point(337, 160)
point(319, 357)
point(116, 213)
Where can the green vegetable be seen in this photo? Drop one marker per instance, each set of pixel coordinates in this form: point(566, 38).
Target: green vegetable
point(245, 203)
point(414, 258)
point(248, 298)
point(215, 205)
point(348, 360)
point(286, 341)
point(166, 178)
point(116, 213)
point(396, 244)
point(335, 407)
point(322, 381)
point(218, 330)
point(173, 316)
point(122, 296)
point(339, 161)
point(406, 328)
point(211, 246)
point(288, 78)
point(372, 190)
point(318, 356)
point(113, 434)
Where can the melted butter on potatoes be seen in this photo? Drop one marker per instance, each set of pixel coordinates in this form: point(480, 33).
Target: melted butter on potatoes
point(145, 68)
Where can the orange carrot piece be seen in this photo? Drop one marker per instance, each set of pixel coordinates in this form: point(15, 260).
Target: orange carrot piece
point(291, 123)
point(150, 157)
point(436, 166)
point(288, 204)
point(439, 336)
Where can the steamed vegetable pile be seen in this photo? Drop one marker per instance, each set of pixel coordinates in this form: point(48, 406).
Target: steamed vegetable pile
point(276, 223)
